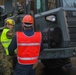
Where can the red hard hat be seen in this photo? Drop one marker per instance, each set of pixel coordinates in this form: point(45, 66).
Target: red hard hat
point(28, 19)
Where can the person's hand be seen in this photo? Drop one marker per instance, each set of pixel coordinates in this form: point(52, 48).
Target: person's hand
point(36, 64)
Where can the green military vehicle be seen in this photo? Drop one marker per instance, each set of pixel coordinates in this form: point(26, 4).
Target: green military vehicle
point(56, 19)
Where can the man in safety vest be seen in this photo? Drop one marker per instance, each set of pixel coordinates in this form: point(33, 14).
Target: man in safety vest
point(6, 37)
point(28, 44)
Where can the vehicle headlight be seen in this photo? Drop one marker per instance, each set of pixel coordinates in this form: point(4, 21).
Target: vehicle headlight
point(51, 18)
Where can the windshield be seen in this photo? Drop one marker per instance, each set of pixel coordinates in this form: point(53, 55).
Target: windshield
point(69, 3)
point(44, 5)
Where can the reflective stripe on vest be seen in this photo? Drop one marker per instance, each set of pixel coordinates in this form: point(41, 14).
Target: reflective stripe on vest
point(28, 47)
point(28, 44)
point(32, 58)
point(5, 41)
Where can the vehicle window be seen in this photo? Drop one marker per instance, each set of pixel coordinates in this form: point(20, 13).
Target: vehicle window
point(51, 4)
point(44, 5)
point(69, 3)
point(38, 6)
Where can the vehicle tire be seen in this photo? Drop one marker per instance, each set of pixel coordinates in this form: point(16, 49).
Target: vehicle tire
point(55, 63)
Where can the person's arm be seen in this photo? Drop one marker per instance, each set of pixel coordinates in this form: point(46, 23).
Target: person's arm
point(12, 46)
point(42, 47)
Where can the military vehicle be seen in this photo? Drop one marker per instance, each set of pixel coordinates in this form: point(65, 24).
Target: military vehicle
point(56, 19)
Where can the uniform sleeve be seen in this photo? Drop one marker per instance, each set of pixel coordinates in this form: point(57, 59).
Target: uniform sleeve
point(10, 34)
point(12, 46)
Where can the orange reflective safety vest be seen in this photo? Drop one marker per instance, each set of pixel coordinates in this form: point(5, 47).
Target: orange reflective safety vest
point(28, 47)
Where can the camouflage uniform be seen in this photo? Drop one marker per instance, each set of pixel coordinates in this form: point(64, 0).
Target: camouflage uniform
point(6, 61)
point(5, 65)
point(10, 34)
